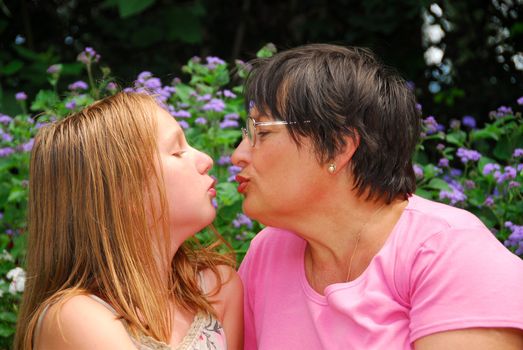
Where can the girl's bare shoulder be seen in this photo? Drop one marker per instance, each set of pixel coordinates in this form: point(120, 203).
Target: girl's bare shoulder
point(80, 323)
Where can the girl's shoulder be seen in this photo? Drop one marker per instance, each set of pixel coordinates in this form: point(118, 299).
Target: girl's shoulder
point(227, 302)
point(229, 291)
point(81, 322)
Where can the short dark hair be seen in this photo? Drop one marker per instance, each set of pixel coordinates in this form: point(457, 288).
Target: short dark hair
point(343, 91)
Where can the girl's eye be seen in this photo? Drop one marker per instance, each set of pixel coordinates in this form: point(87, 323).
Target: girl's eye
point(178, 154)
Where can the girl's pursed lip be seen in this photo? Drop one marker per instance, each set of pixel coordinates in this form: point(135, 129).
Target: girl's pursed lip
point(212, 192)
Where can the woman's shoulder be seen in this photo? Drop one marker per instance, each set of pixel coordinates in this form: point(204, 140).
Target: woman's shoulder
point(81, 322)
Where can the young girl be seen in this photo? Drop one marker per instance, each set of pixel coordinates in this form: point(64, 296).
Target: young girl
point(115, 190)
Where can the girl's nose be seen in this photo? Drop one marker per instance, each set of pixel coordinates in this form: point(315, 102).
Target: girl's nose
point(205, 162)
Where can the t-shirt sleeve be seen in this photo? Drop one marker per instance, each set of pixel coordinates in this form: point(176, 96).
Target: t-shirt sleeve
point(246, 273)
point(464, 278)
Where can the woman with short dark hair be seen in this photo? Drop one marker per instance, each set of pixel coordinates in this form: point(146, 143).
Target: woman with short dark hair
point(351, 258)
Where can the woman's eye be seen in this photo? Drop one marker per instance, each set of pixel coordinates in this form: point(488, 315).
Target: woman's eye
point(178, 154)
point(263, 133)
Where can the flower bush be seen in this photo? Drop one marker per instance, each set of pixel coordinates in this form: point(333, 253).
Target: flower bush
point(479, 169)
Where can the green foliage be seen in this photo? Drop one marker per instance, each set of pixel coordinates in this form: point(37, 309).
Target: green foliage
point(480, 170)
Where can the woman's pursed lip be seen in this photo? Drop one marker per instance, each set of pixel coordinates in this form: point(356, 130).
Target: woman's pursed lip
point(242, 183)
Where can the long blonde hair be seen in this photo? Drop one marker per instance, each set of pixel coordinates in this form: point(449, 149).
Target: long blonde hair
point(89, 191)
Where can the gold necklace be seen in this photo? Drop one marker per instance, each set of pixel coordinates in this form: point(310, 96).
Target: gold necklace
point(358, 240)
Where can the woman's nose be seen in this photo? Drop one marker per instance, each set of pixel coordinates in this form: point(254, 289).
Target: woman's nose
point(242, 154)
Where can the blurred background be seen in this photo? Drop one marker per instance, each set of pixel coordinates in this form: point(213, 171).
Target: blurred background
point(463, 57)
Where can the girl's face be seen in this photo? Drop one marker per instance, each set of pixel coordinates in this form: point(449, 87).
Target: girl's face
point(188, 187)
point(280, 181)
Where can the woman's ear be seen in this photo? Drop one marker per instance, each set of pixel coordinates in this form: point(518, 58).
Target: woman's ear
point(343, 158)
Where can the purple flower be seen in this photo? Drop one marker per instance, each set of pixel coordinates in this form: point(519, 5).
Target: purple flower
point(519, 167)
point(419, 107)
point(469, 184)
point(181, 114)
point(515, 240)
point(469, 121)
point(229, 123)
point(183, 124)
point(5, 136)
point(78, 85)
point(205, 97)
point(233, 171)
point(21, 96)
point(410, 85)
point(212, 62)
point(513, 184)
point(6, 151)
point(70, 105)
point(153, 83)
point(489, 201)
point(88, 56)
point(242, 236)
point(143, 76)
point(468, 155)
point(28, 146)
point(418, 171)
point(242, 220)
point(229, 94)
point(509, 173)
point(440, 147)
point(443, 162)
point(455, 195)
point(501, 112)
point(224, 160)
point(200, 120)
point(520, 101)
point(490, 167)
point(54, 69)
point(518, 152)
point(112, 87)
point(215, 105)
point(431, 125)
point(455, 172)
point(5, 119)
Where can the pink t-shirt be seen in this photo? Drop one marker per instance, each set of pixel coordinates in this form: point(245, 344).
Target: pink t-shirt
point(440, 269)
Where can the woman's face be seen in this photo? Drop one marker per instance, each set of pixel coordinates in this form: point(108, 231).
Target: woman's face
point(188, 187)
point(279, 180)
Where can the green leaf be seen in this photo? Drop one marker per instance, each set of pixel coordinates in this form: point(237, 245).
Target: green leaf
point(438, 184)
point(129, 8)
point(12, 67)
point(457, 137)
point(227, 193)
point(487, 133)
point(267, 51)
point(16, 195)
point(44, 100)
point(7, 316)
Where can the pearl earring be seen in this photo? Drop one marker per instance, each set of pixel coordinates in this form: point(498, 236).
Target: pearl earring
point(332, 168)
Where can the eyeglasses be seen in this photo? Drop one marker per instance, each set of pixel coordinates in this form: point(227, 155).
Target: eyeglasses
point(250, 130)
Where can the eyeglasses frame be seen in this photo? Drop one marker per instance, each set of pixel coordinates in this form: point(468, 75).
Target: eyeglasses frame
point(245, 132)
